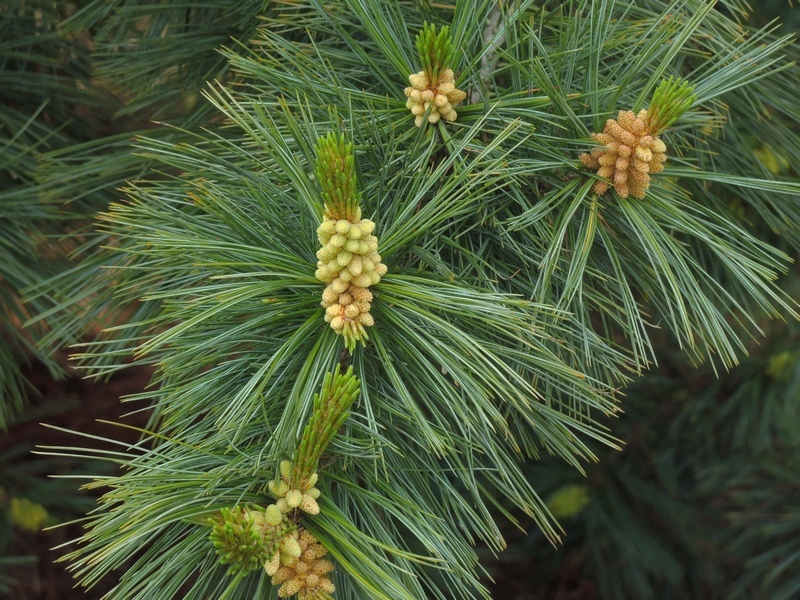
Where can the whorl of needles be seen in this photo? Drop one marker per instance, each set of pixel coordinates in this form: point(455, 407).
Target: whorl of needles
point(435, 51)
point(672, 98)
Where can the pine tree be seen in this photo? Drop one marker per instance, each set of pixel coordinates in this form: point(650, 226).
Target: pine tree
point(79, 81)
point(486, 211)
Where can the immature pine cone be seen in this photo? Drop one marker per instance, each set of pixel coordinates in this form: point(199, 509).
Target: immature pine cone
point(245, 538)
point(628, 156)
point(442, 95)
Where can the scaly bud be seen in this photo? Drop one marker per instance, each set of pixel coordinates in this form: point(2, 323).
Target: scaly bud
point(273, 564)
point(336, 177)
point(273, 515)
point(309, 505)
point(294, 498)
point(290, 588)
point(672, 98)
point(277, 488)
point(290, 546)
point(331, 407)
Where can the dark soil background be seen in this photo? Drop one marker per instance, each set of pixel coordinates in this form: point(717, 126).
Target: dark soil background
point(88, 403)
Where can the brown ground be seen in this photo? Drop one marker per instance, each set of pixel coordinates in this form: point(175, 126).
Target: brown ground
point(89, 402)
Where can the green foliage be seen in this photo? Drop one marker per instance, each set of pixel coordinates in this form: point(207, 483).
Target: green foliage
point(161, 53)
point(671, 100)
point(156, 58)
point(330, 411)
point(62, 155)
point(336, 176)
point(261, 374)
point(516, 303)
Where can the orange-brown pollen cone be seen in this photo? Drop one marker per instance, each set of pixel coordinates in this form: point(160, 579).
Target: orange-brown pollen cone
point(629, 154)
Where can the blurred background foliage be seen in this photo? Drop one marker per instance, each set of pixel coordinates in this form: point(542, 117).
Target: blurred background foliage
point(79, 80)
point(704, 500)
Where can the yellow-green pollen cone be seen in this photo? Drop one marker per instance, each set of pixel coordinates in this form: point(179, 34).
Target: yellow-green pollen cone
point(349, 263)
point(441, 97)
point(297, 567)
point(629, 154)
point(630, 149)
point(303, 496)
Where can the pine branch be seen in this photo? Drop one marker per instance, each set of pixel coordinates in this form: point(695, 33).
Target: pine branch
point(517, 297)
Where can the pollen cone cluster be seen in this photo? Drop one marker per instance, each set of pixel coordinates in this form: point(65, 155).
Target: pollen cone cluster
point(289, 497)
point(252, 538)
point(442, 96)
point(306, 574)
point(630, 153)
point(349, 263)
